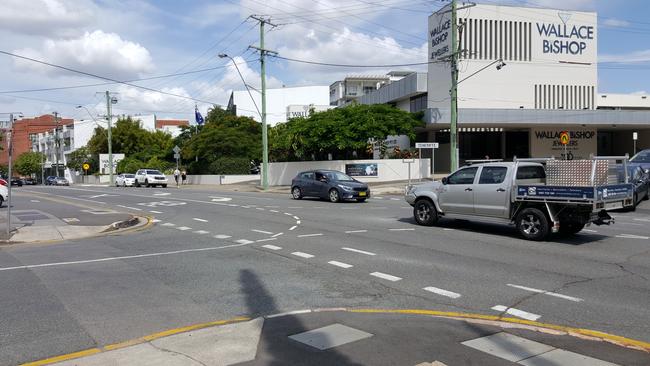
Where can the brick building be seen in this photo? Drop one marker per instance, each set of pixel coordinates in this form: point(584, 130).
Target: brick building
point(25, 130)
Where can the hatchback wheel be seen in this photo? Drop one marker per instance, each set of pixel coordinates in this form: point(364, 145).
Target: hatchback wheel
point(296, 193)
point(334, 195)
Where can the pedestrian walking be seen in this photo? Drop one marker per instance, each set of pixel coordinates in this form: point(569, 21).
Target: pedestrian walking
point(176, 174)
point(184, 176)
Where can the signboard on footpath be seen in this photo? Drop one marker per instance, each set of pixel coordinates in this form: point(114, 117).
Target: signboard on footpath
point(565, 144)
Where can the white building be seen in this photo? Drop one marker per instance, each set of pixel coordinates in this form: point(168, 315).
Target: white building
point(277, 101)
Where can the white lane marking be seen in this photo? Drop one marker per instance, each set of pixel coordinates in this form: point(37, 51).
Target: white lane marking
point(130, 208)
point(244, 241)
point(356, 231)
point(168, 224)
point(267, 239)
point(201, 232)
point(288, 214)
point(296, 218)
point(589, 230)
point(271, 206)
point(155, 212)
point(570, 298)
point(199, 220)
point(220, 199)
point(70, 219)
point(516, 312)
point(232, 205)
point(221, 236)
point(630, 236)
point(378, 197)
point(308, 235)
point(298, 222)
point(121, 258)
point(340, 264)
point(103, 195)
point(162, 194)
point(303, 255)
point(293, 228)
point(646, 220)
point(274, 211)
point(272, 247)
point(401, 229)
point(447, 229)
point(395, 199)
point(184, 228)
point(358, 251)
point(262, 231)
point(386, 276)
point(442, 292)
point(35, 201)
point(155, 221)
point(276, 235)
point(260, 209)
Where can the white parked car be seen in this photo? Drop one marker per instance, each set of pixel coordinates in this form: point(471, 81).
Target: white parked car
point(124, 180)
point(4, 192)
point(150, 178)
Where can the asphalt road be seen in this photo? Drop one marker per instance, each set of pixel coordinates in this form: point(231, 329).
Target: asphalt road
point(192, 266)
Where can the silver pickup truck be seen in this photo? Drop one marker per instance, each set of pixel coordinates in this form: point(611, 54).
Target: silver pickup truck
point(522, 193)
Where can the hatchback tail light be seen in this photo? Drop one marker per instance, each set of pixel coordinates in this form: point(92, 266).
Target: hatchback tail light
point(3, 182)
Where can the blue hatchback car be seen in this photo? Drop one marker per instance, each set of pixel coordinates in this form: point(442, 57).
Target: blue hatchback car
point(328, 184)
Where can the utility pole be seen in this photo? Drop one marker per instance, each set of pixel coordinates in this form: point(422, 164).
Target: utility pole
point(109, 118)
point(10, 147)
point(56, 142)
point(265, 143)
point(453, 128)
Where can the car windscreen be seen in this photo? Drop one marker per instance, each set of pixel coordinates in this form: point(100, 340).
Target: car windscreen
point(642, 157)
point(129, 175)
point(154, 172)
point(338, 176)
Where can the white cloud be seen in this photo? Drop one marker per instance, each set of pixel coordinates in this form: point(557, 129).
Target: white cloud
point(613, 22)
point(101, 53)
point(132, 100)
point(212, 14)
point(40, 17)
point(627, 58)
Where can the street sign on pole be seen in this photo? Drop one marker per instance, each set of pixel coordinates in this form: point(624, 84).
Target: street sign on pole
point(176, 149)
point(177, 156)
point(427, 145)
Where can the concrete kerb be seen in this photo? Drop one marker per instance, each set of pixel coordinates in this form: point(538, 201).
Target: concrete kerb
point(52, 234)
point(494, 320)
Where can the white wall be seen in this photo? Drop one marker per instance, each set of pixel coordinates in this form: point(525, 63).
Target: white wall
point(623, 100)
point(281, 174)
point(277, 101)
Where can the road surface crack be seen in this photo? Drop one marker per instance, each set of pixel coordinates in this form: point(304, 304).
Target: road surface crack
point(176, 353)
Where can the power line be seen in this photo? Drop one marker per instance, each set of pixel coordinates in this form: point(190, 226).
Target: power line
point(357, 66)
point(102, 77)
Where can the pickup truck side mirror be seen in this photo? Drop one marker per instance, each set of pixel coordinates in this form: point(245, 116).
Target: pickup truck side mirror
point(444, 180)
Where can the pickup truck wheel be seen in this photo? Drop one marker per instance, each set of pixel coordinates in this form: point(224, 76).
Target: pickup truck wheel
point(425, 212)
point(570, 228)
point(146, 183)
point(533, 224)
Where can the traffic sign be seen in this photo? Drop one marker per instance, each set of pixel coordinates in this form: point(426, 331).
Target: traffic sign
point(176, 149)
point(86, 166)
point(177, 156)
point(427, 145)
point(565, 137)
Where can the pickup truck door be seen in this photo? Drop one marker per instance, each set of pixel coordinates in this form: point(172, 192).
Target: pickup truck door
point(457, 195)
point(491, 194)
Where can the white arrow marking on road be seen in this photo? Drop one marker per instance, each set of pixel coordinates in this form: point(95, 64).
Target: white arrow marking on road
point(442, 292)
point(516, 312)
point(570, 298)
point(220, 199)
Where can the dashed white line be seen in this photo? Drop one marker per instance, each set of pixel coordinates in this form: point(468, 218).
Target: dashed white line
point(199, 220)
point(630, 236)
point(303, 255)
point(221, 236)
point(293, 228)
point(309, 235)
point(442, 292)
point(267, 239)
point(356, 231)
point(130, 208)
point(232, 205)
point(340, 264)
point(401, 229)
point(296, 218)
point(643, 219)
point(155, 212)
point(276, 235)
point(168, 224)
point(516, 312)
point(395, 199)
point(272, 247)
point(155, 220)
point(358, 251)
point(448, 229)
point(244, 241)
point(288, 214)
point(35, 201)
point(386, 276)
point(274, 211)
point(589, 230)
point(201, 232)
point(262, 231)
point(260, 209)
point(570, 298)
point(184, 228)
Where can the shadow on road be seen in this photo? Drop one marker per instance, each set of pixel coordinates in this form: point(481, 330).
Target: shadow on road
point(275, 348)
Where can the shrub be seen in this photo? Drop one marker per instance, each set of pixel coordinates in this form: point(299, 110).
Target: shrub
point(228, 165)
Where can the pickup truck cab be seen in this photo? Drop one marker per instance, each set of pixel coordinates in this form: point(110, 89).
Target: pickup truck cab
point(516, 193)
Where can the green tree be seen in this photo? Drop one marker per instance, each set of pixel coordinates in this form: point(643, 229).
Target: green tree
point(29, 163)
point(129, 165)
point(77, 158)
point(343, 132)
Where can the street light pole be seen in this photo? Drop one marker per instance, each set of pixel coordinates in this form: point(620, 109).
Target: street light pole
point(453, 125)
point(10, 145)
point(56, 142)
point(110, 142)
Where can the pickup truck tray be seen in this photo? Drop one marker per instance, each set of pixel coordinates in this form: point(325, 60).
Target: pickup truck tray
point(604, 193)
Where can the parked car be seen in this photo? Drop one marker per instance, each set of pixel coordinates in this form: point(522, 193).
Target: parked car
point(30, 181)
point(4, 192)
point(124, 180)
point(3, 182)
point(60, 181)
point(15, 181)
point(642, 159)
point(328, 184)
point(50, 180)
point(641, 180)
point(150, 178)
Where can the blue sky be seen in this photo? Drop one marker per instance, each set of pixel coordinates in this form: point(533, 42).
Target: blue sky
point(137, 39)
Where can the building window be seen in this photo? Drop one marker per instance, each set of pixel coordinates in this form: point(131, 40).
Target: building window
point(368, 89)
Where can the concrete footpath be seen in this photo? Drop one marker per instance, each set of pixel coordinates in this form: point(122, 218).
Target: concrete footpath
point(368, 337)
